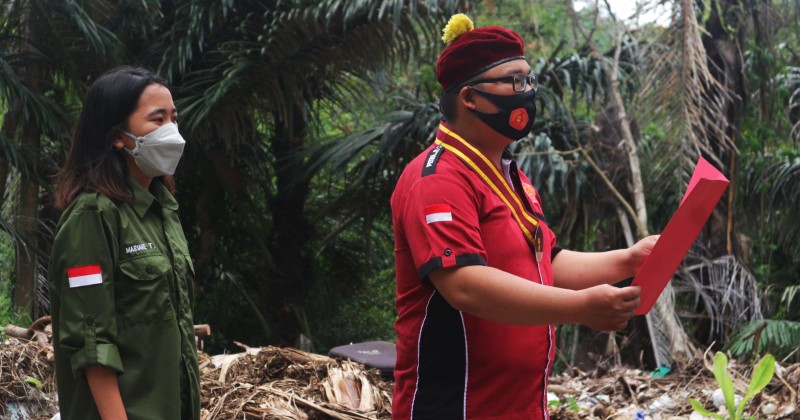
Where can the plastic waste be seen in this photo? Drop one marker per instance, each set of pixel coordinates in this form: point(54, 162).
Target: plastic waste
point(661, 371)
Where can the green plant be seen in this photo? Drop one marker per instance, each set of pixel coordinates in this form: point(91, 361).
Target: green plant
point(776, 336)
point(571, 404)
point(762, 374)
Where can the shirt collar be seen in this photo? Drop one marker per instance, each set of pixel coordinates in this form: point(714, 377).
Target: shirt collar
point(144, 199)
point(506, 166)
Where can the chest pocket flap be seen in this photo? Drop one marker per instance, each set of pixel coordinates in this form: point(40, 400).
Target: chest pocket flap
point(144, 290)
point(146, 267)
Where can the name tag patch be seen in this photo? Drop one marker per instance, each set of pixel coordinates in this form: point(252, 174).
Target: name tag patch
point(139, 247)
point(85, 275)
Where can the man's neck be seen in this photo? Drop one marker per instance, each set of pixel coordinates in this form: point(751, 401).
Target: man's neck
point(486, 140)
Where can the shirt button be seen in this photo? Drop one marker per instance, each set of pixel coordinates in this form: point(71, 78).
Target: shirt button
point(149, 269)
point(176, 266)
point(89, 321)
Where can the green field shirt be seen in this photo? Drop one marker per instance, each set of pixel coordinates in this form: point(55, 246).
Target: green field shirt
point(121, 293)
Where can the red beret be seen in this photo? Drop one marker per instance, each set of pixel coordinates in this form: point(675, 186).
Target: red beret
point(476, 51)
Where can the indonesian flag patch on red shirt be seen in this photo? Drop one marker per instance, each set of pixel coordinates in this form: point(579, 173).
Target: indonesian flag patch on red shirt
point(438, 213)
point(86, 275)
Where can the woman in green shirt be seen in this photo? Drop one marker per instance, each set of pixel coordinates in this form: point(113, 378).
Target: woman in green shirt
point(121, 278)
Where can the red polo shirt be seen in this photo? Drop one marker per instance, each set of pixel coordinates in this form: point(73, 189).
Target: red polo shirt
point(450, 364)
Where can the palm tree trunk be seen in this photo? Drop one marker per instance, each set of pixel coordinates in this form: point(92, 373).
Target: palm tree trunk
point(27, 219)
point(674, 344)
point(723, 47)
point(291, 229)
point(27, 211)
point(9, 128)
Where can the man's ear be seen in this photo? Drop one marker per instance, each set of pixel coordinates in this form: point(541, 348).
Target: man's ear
point(117, 138)
point(467, 98)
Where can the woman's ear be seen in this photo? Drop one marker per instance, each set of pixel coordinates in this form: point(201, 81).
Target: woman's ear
point(117, 139)
point(467, 98)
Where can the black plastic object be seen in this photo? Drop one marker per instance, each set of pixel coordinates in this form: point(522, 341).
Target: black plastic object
point(373, 354)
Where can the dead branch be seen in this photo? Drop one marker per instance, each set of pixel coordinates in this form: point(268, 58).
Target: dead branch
point(41, 322)
point(202, 331)
point(19, 332)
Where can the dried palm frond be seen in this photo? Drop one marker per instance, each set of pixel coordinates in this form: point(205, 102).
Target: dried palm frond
point(789, 294)
point(681, 90)
point(285, 383)
point(726, 291)
point(669, 339)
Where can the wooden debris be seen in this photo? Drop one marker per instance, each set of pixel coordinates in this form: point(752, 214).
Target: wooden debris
point(284, 383)
point(27, 380)
point(202, 331)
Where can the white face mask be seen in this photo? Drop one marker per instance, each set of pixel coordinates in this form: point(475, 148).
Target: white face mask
point(158, 152)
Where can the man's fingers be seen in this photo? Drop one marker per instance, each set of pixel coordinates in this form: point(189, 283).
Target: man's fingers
point(631, 292)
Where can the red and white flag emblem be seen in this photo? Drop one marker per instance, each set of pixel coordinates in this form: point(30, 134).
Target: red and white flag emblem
point(86, 275)
point(438, 213)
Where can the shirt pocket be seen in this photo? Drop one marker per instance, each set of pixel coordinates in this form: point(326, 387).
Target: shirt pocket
point(144, 290)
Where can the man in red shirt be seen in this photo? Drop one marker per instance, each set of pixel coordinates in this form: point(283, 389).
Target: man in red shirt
point(480, 280)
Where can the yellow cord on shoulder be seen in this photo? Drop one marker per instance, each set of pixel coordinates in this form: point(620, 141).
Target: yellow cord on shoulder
point(458, 25)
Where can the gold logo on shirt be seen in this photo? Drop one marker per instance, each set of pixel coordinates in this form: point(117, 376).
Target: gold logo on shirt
point(530, 192)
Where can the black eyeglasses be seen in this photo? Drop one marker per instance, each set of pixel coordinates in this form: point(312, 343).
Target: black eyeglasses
point(518, 81)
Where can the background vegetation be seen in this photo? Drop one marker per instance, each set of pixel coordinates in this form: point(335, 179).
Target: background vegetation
point(301, 114)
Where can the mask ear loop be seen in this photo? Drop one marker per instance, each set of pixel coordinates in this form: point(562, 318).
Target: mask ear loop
point(126, 132)
point(136, 141)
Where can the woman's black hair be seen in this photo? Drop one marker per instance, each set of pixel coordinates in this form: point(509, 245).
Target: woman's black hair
point(92, 163)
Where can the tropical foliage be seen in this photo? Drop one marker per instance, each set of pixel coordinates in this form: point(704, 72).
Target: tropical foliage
point(301, 114)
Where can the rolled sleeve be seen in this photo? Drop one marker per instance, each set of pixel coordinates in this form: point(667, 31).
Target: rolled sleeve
point(85, 314)
point(450, 238)
point(106, 355)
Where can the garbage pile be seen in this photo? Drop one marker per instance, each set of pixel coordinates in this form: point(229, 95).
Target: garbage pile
point(623, 393)
point(27, 376)
point(262, 383)
point(285, 383)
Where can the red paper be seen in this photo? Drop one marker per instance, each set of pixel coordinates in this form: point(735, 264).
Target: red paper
point(702, 194)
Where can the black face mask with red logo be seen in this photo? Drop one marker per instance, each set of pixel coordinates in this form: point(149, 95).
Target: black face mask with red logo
point(515, 115)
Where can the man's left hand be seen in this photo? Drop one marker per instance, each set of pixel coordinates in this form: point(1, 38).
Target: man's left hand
point(638, 253)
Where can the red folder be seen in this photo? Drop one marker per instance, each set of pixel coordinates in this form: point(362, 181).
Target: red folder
point(702, 194)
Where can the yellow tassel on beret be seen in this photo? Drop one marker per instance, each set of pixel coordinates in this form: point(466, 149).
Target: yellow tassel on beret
point(471, 51)
point(458, 25)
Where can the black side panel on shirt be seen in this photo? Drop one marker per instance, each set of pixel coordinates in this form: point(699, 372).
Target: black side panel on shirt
point(441, 365)
point(431, 160)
